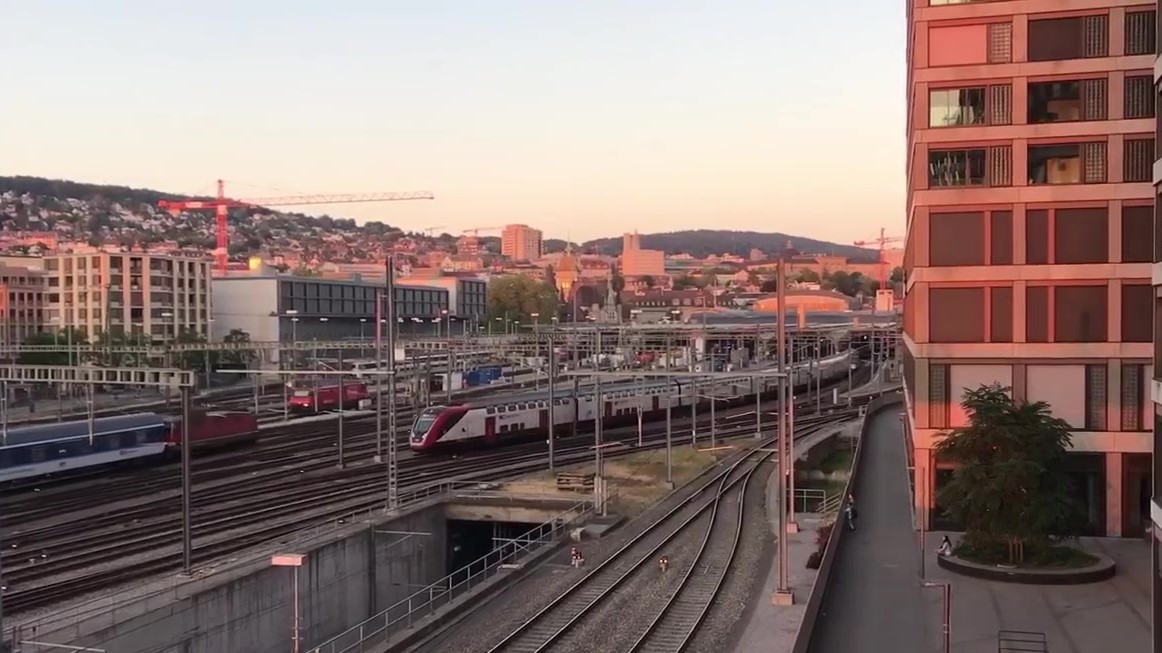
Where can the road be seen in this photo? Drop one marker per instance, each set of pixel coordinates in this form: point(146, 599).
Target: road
point(874, 602)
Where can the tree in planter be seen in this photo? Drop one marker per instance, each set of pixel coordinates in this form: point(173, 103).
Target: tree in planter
point(1010, 489)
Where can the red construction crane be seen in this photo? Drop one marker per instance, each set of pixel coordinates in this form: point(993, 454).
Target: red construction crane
point(882, 241)
point(222, 203)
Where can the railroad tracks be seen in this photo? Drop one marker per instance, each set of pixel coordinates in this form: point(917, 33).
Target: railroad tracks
point(105, 556)
point(684, 592)
point(55, 562)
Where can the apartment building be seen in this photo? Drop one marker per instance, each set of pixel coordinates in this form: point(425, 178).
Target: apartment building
point(1156, 382)
point(520, 242)
point(129, 293)
point(21, 303)
point(1030, 231)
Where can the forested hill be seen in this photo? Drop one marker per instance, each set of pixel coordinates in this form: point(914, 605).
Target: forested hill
point(704, 242)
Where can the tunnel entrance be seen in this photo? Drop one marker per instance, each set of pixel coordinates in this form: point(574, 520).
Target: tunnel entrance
point(469, 541)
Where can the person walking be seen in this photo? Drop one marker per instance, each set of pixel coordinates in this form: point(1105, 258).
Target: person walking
point(850, 513)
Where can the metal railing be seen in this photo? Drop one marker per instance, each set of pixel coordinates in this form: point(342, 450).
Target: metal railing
point(404, 613)
point(809, 499)
point(1021, 641)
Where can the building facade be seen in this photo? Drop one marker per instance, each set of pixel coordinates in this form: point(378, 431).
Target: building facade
point(520, 242)
point(1156, 381)
point(467, 294)
point(21, 303)
point(128, 293)
point(1030, 144)
point(285, 308)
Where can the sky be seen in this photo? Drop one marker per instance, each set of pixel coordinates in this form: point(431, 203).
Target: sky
point(583, 118)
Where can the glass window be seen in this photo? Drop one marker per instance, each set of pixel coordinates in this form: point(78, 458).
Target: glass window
point(1054, 164)
point(956, 106)
point(956, 168)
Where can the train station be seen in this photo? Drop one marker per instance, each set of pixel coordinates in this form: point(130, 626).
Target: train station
point(397, 492)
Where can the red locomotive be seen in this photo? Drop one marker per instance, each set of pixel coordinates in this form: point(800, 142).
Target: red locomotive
point(315, 400)
point(213, 430)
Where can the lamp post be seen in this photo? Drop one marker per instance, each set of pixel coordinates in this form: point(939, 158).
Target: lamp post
point(783, 593)
point(362, 342)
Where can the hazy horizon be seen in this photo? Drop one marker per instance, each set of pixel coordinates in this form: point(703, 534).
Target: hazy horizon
point(582, 120)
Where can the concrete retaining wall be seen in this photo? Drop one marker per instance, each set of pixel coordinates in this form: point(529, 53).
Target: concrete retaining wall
point(819, 589)
point(346, 578)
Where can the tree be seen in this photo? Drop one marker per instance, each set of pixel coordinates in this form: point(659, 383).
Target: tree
point(684, 282)
point(769, 285)
point(648, 280)
point(1010, 490)
point(807, 275)
point(551, 276)
point(55, 339)
point(517, 297)
point(898, 275)
point(240, 357)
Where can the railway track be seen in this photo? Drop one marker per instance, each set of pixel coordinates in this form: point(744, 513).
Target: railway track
point(105, 557)
point(53, 561)
point(301, 444)
point(712, 516)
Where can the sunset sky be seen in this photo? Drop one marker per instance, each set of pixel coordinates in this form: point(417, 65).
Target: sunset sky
point(583, 118)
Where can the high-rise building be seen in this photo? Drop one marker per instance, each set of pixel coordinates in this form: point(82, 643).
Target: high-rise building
point(631, 242)
point(1155, 392)
point(128, 293)
point(1030, 231)
point(520, 242)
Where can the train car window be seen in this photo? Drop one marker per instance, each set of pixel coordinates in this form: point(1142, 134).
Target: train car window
point(141, 436)
point(5, 458)
point(521, 406)
point(38, 454)
point(490, 410)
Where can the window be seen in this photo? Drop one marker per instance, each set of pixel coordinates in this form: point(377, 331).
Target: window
point(1137, 234)
point(1067, 164)
point(956, 167)
point(1081, 236)
point(1095, 397)
point(1137, 322)
point(1080, 314)
point(1062, 101)
point(956, 239)
point(956, 107)
point(1138, 159)
point(1139, 96)
point(938, 392)
point(1132, 396)
point(1000, 42)
point(1140, 32)
point(1057, 39)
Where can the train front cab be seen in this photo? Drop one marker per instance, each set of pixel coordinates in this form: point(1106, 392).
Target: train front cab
point(432, 424)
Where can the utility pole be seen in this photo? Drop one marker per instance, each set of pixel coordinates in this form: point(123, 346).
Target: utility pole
point(389, 315)
point(380, 368)
point(342, 401)
point(598, 440)
point(782, 592)
point(187, 485)
point(669, 439)
point(552, 402)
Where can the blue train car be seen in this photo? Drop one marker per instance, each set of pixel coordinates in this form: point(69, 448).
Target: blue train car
point(483, 375)
point(32, 451)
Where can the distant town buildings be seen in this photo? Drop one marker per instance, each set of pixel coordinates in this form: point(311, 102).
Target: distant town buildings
point(127, 293)
point(638, 262)
point(520, 242)
point(21, 302)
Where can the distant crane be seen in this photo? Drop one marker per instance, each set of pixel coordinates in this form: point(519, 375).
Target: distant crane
point(221, 204)
point(431, 231)
point(882, 241)
point(475, 231)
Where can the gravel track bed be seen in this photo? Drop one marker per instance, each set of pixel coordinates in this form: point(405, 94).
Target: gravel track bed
point(742, 588)
point(515, 605)
point(616, 623)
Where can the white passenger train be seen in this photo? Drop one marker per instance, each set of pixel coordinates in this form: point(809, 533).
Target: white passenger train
point(493, 420)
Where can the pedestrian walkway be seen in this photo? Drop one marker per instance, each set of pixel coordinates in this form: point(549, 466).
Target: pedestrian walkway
point(1094, 618)
point(875, 602)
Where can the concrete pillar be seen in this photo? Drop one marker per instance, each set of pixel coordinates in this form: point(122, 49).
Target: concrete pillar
point(1114, 480)
point(925, 479)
